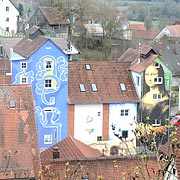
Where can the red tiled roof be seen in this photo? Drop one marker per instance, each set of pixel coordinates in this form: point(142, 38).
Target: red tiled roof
point(137, 27)
point(144, 34)
point(19, 152)
point(139, 64)
point(70, 148)
point(107, 76)
point(174, 29)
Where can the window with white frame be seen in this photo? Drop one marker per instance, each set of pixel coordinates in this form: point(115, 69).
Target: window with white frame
point(48, 64)
point(158, 80)
point(157, 96)
point(24, 80)
point(156, 122)
point(23, 65)
point(82, 88)
point(122, 86)
point(94, 87)
point(48, 83)
point(124, 112)
point(156, 65)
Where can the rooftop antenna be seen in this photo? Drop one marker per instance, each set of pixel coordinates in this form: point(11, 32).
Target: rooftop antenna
point(139, 53)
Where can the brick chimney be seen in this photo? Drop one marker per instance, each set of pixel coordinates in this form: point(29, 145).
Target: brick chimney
point(114, 51)
point(176, 47)
point(55, 152)
point(160, 48)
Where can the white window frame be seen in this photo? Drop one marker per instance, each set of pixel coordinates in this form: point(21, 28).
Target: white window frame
point(122, 86)
point(158, 80)
point(157, 96)
point(24, 65)
point(82, 88)
point(156, 65)
point(48, 64)
point(88, 66)
point(157, 122)
point(124, 112)
point(94, 87)
point(48, 83)
point(24, 80)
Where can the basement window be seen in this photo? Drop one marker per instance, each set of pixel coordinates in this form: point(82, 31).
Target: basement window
point(82, 88)
point(122, 86)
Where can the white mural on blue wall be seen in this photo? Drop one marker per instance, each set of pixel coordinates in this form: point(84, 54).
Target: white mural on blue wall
point(48, 75)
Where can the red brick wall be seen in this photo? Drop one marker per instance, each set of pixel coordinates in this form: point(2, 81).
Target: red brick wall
point(105, 122)
point(110, 168)
point(71, 120)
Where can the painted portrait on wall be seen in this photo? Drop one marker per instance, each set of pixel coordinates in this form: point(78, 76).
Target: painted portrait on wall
point(155, 100)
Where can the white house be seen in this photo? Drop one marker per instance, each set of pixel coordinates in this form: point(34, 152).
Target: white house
point(9, 17)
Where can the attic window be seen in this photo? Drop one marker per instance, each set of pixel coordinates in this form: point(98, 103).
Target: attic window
point(12, 104)
point(48, 47)
point(122, 86)
point(82, 88)
point(88, 66)
point(94, 87)
point(156, 65)
point(23, 65)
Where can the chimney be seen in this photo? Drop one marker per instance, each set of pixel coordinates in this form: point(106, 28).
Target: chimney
point(55, 152)
point(176, 47)
point(160, 48)
point(114, 51)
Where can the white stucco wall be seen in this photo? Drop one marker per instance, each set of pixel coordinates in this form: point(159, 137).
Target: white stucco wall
point(88, 122)
point(122, 122)
point(11, 14)
point(138, 87)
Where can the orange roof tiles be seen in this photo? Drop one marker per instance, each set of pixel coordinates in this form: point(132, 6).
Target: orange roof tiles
point(71, 148)
point(19, 152)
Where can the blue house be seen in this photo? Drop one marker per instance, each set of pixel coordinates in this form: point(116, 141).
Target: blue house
point(43, 62)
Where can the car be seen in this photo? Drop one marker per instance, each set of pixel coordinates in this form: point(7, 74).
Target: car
point(175, 120)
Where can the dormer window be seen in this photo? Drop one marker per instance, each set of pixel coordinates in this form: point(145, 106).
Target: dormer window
point(88, 66)
point(82, 88)
point(94, 87)
point(123, 87)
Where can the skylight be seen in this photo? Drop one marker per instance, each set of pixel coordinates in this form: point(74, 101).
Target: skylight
point(122, 86)
point(82, 88)
point(88, 66)
point(94, 87)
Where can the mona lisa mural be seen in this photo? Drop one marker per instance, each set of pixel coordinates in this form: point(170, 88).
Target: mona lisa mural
point(155, 105)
